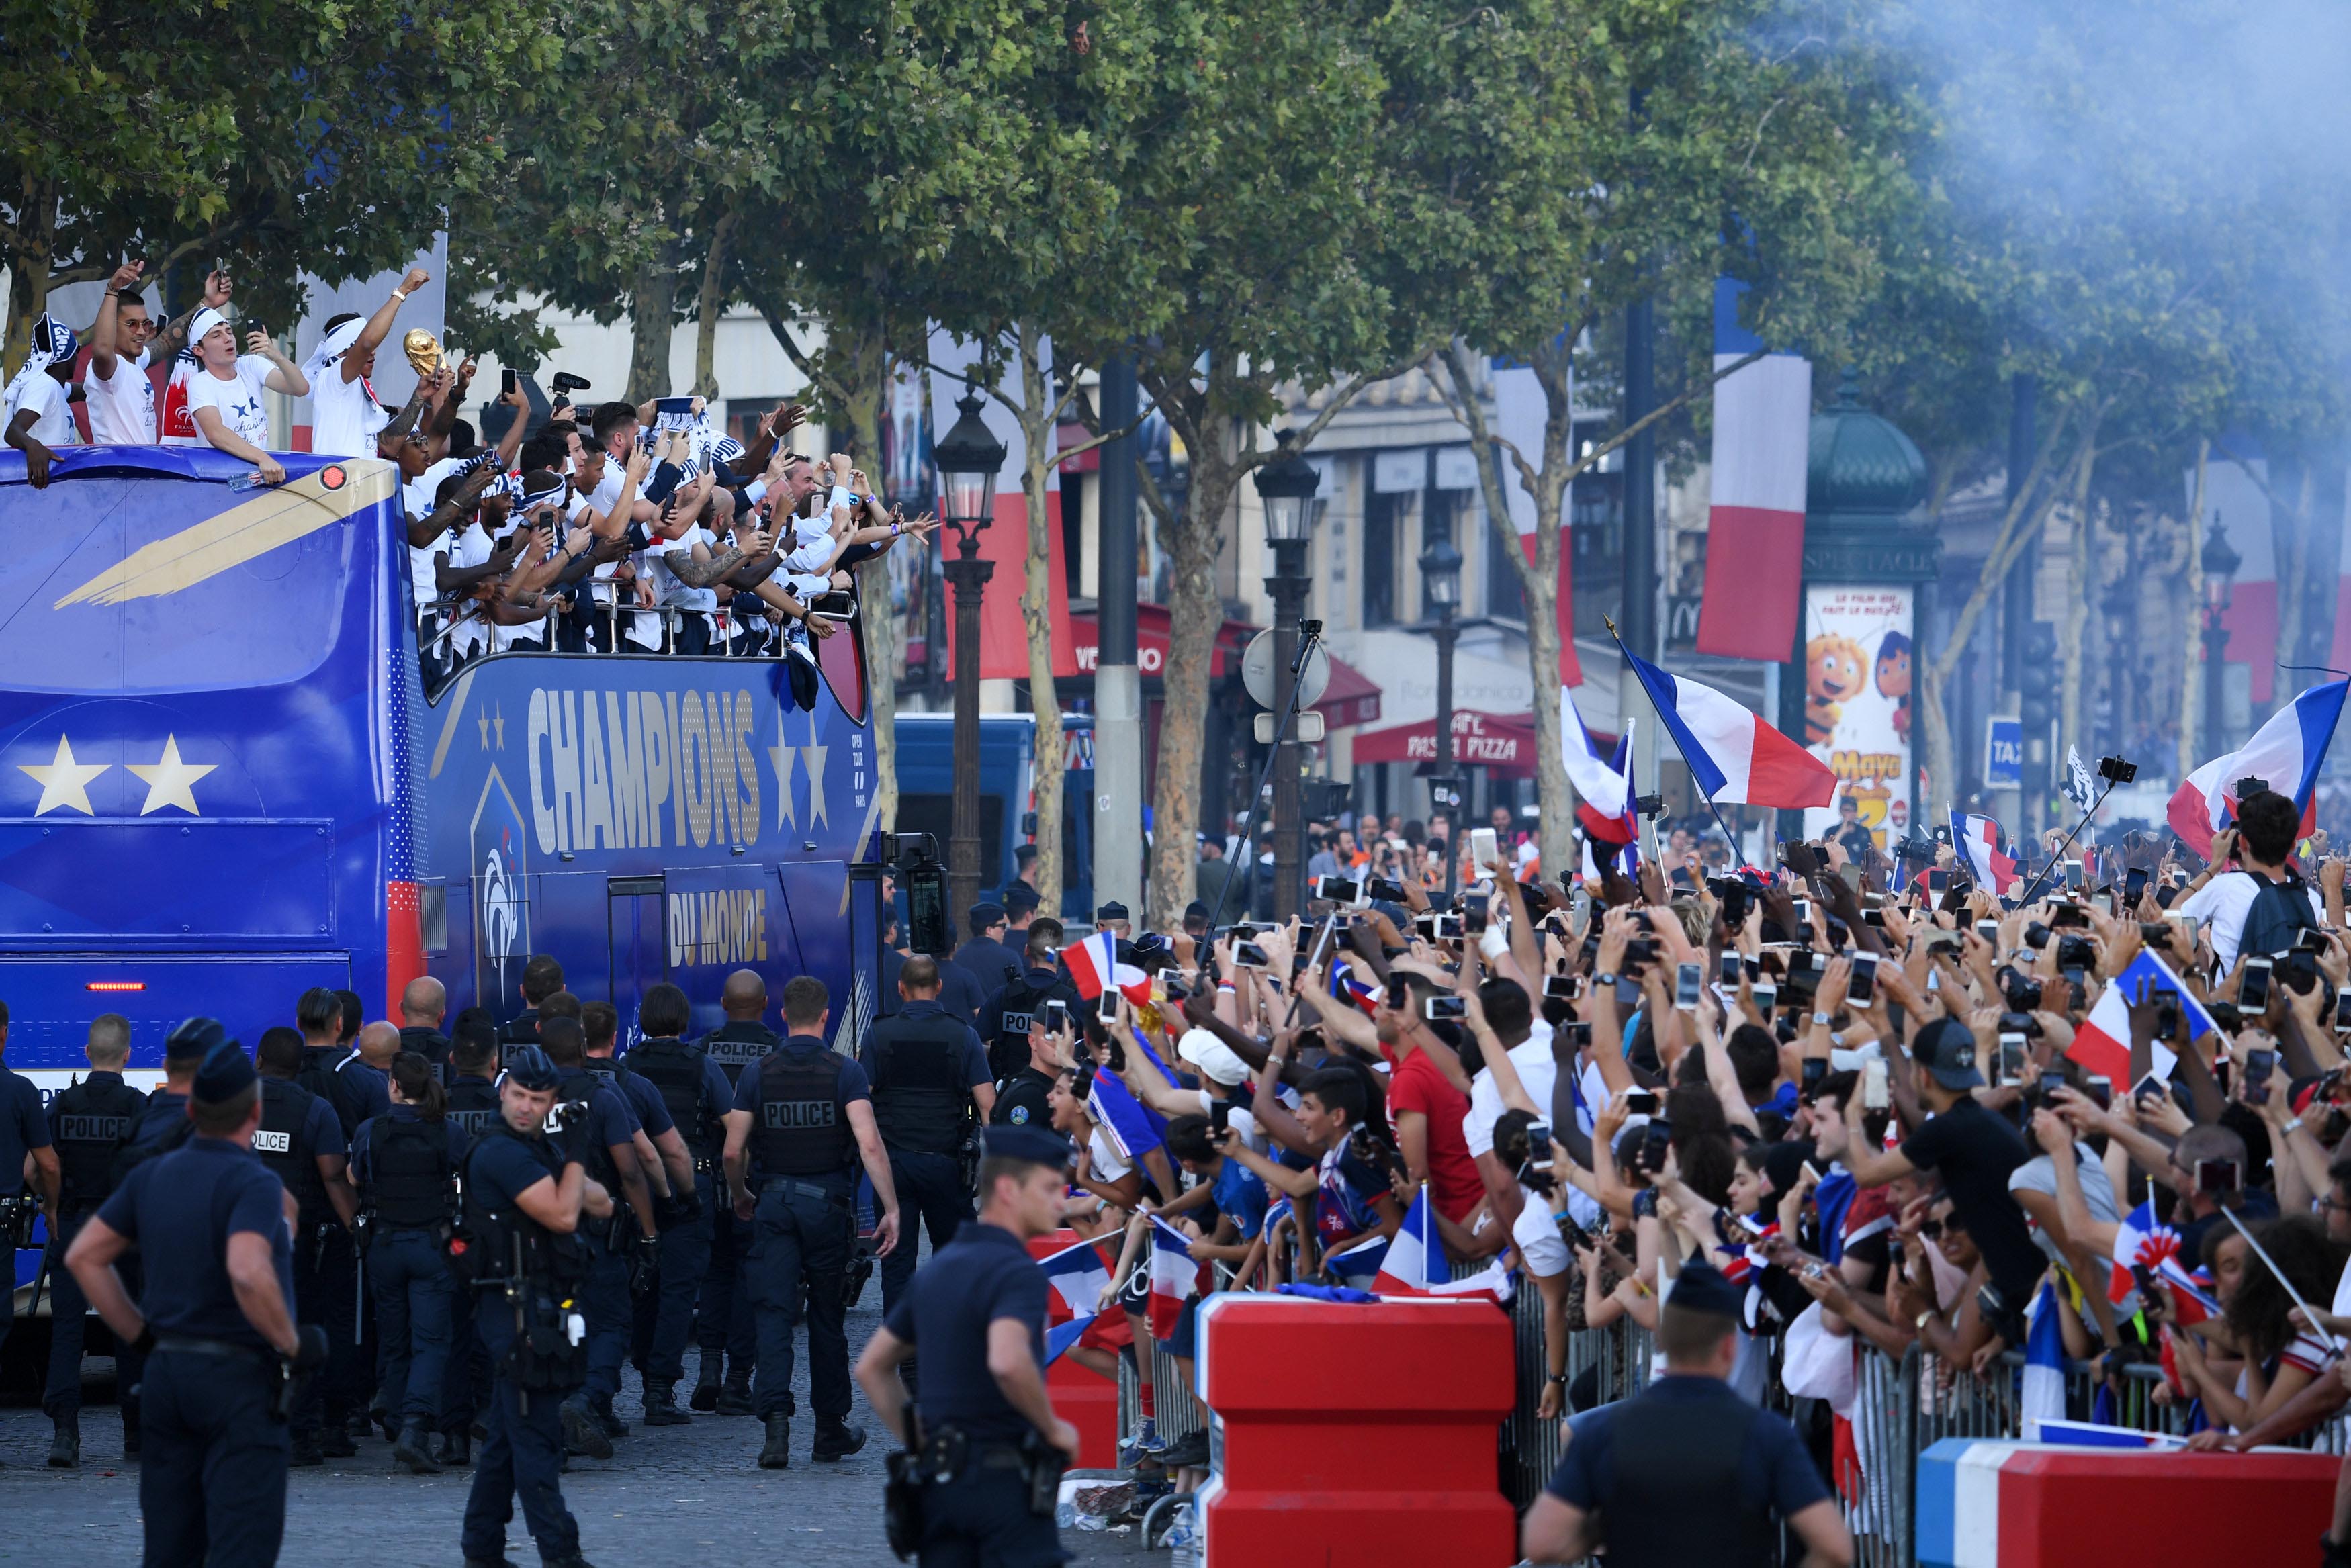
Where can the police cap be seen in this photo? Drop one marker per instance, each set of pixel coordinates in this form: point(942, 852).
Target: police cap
point(1037, 1146)
point(531, 1068)
point(1701, 1287)
point(1020, 896)
point(1110, 911)
point(193, 1038)
point(227, 1072)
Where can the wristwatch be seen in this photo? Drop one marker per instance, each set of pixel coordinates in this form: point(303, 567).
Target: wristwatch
point(1604, 979)
point(2289, 1127)
point(1558, 1377)
point(1820, 1020)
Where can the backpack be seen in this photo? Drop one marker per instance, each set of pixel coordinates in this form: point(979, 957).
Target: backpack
point(2280, 912)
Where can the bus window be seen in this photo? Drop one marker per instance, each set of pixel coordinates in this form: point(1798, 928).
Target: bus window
point(150, 585)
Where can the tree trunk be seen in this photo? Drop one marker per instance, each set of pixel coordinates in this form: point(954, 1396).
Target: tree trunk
point(2191, 678)
point(708, 307)
point(1036, 413)
point(1194, 613)
point(2081, 581)
point(865, 395)
point(653, 314)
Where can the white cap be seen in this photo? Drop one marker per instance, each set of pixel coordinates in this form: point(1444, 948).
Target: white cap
point(1215, 1059)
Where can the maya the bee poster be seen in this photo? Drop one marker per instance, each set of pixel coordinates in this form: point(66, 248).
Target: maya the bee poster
point(1858, 662)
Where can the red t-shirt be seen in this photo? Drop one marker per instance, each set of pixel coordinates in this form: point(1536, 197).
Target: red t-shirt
point(1417, 1085)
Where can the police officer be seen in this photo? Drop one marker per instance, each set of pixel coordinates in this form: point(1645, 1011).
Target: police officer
point(1686, 1472)
point(424, 1003)
point(319, 1014)
point(1004, 1019)
point(301, 1141)
point(609, 1131)
point(984, 953)
point(216, 1318)
point(1026, 1099)
point(930, 1087)
point(724, 1324)
point(542, 977)
point(163, 1125)
point(695, 1094)
point(473, 1109)
point(798, 1124)
point(89, 1124)
point(404, 1166)
point(527, 1200)
point(984, 1415)
point(24, 1131)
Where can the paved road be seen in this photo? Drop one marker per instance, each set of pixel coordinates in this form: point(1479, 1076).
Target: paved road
point(674, 1495)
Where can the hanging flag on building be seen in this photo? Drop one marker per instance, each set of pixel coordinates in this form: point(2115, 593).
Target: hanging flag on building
point(1755, 518)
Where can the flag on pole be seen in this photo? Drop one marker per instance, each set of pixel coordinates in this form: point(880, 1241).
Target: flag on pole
point(1735, 758)
point(1755, 516)
point(2284, 754)
point(1978, 838)
point(1347, 985)
point(1094, 968)
point(1079, 1277)
point(1360, 1264)
point(2042, 1391)
point(1175, 1277)
point(2103, 1043)
point(2078, 786)
point(1415, 1254)
point(2143, 1242)
point(1123, 1120)
point(1602, 787)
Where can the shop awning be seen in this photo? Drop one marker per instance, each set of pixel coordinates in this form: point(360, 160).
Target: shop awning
point(1503, 744)
point(1351, 697)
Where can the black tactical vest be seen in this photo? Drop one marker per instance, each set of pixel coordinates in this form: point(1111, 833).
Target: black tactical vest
point(577, 1087)
point(801, 1129)
point(474, 1106)
point(408, 1174)
point(918, 1092)
point(280, 1142)
point(738, 1044)
point(675, 1068)
point(92, 1121)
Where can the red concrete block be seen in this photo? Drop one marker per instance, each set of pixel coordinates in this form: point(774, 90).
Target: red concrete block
point(2092, 1508)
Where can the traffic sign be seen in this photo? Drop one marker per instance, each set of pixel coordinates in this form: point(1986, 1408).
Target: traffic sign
point(1257, 672)
point(2003, 754)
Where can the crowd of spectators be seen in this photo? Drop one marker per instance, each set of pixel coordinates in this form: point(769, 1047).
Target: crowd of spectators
point(1884, 1108)
point(615, 527)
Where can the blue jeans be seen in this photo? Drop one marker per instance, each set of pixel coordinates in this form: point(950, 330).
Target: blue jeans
point(930, 1188)
point(522, 1455)
point(684, 1259)
point(724, 1322)
point(796, 1234)
point(412, 1310)
point(212, 1479)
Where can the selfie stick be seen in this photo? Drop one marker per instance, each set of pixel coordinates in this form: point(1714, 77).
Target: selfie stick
point(1729, 836)
point(1322, 945)
point(1310, 633)
point(2026, 897)
point(2278, 1274)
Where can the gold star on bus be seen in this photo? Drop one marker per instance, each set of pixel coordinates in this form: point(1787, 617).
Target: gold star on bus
point(64, 782)
point(169, 780)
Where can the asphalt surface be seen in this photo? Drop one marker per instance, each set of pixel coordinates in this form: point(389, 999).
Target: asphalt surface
point(670, 1495)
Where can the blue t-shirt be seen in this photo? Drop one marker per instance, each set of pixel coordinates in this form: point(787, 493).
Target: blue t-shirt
point(322, 1129)
point(983, 1274)
point(166, 1109)
point(182, 1209)
point(23, 1128)
point(1241, 1198)
point(1774, 1471)
point(371, 1130)
point(366, 1091)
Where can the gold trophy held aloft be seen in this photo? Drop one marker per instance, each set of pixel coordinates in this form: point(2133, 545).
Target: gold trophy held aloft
point(425, 352)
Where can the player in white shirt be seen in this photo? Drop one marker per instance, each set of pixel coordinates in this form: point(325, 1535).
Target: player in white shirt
point(225, 392)
point(37, 417)
point(121, 399)
point(345, 418)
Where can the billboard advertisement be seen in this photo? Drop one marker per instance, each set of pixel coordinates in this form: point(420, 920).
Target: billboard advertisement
point(1858, 661)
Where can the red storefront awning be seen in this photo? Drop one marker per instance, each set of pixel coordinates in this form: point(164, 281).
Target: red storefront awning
point(1503, 744)
point(1351, 697)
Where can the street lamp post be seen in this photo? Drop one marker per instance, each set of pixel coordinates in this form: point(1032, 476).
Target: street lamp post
point(1287, 485)
point(2221, 563)
point(1440, 571)
point(967, 461)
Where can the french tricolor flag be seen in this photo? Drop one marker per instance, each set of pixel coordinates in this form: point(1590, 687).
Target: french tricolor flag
point(1978, 838)
point(1415, 1255)
point(1094, 969)
point(1755, 519)
point(1735, 758)
point(1346, 985)
point(1603, 793)
point(1360, 1264)
point(2103, 1043)
point(2143, 1242)
point(1079, 1277)
point(1175, 1277)
point(2285, 753)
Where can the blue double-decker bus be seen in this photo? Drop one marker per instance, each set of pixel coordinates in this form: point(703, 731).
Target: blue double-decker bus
point(221, 781)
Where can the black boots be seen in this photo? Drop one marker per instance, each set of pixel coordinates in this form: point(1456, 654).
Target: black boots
point(777, 1455)
point(581, 1432)
point(456, 1448)
point(734, 1398)
point(409, 1449)
point(64, 1449)
point(661, 1405)
point(706, 1385)
point(836, 1439)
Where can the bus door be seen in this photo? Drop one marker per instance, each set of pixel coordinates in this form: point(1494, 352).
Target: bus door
point(636, 940)
point(816, 906)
